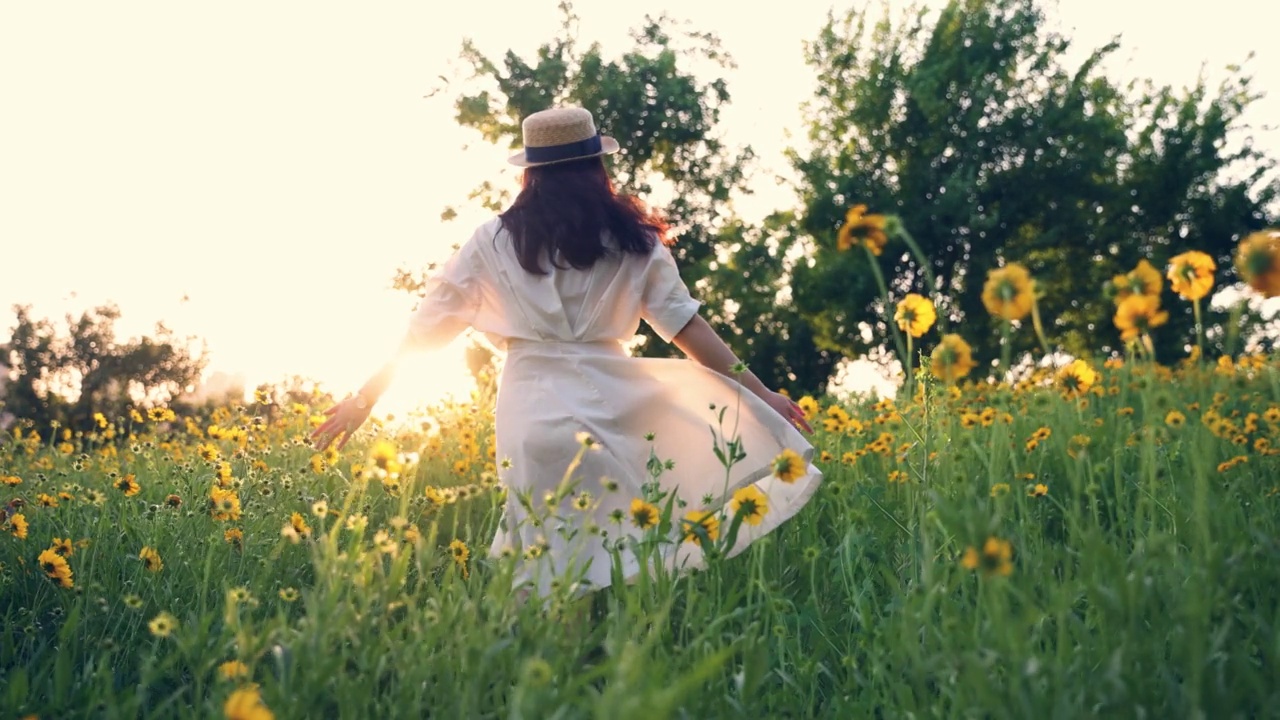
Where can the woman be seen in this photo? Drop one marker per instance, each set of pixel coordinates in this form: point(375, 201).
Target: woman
point(559, 281)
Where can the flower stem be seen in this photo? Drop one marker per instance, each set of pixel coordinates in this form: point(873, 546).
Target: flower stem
point(888, 307)
point(923, 261)
point(1149, 347)
point(911, 362)
point(1006, 349)
point(1039, 326)
point(1233, 327)
point(1199, 328)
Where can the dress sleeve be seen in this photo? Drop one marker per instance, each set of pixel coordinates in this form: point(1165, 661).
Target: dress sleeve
point(450, 301)
point(666, 305)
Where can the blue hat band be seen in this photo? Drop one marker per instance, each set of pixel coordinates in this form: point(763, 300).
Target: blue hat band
point(553, 153)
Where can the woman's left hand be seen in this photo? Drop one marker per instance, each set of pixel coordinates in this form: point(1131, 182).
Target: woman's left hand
point(344, 419)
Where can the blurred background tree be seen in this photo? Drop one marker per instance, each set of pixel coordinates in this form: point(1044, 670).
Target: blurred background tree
point(67, 376)
point(664, 117)
point(972, 125)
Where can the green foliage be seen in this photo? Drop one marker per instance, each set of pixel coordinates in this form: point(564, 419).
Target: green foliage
point(664, 116)
point(69, 377)
point(972, 127)
point(661, 114)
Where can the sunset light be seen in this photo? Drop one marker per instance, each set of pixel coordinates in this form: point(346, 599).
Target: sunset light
point(667, 359)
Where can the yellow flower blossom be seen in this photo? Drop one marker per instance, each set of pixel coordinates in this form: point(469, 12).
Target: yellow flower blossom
point(246, 704)
point(151, 559)
point(1191, 274)
point(644, 515)
point(704, 519)
point(952, 359)
point(996, 557)
point(1138, 315)
point(56, 568)
point(862, 229)
point(1142, 280)
point(788, 466)
point(749, 503)
point(1077, 377)
point(1258, 261)
point(1008, 292)
point(915, 315)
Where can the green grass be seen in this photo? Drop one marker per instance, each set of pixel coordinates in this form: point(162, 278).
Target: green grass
point(1141, 584)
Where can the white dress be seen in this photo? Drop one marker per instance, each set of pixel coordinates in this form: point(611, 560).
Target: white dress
point(567, 372)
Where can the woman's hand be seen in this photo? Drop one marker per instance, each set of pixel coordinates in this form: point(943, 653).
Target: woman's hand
point(344, 419)
point(787, 408)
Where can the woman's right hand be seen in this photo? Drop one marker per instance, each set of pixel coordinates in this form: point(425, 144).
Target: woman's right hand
point(344, 419)
point(787, 408)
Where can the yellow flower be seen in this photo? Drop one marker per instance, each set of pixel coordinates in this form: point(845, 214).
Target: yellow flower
point(127, 485)
point(915, 315)
point(234, 536)
point(18, 526)
point(460, 552)
point(862, 229)
point(224, 504)
point(233, 670)
point(809, 406)
point(1138, 315)
point(246, 704)
point(644, 515)
point(288, 594)
point(1077, 377)
point(207, 452)
point(996, 557)
point(1191, 274)
point(788, 466)
point(1038, 490)
point(1174, 419)
point(299, 525)
point(704, 519)
point(952, 359)
point(151, 559)
point(1008, 293)
point(384, 456)
point(162, 625)
point(56, 568)
point(750, 503)
point(63, 547)
point(1258, 260)
point(1142, 280)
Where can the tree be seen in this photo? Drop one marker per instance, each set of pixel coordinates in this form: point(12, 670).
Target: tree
point(975, 130)
point(664, 118)
point(69, 377)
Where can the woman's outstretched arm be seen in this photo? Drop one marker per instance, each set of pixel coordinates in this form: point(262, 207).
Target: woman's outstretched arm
point(700, 342)
point(347, 416)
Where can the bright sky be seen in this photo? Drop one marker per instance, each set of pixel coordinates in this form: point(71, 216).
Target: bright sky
point(254, 172)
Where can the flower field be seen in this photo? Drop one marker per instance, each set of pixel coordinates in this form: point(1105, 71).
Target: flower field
point(1100, 542)
point(1080, 539)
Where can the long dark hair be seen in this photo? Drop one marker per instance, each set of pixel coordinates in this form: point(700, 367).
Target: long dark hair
point(564, 210)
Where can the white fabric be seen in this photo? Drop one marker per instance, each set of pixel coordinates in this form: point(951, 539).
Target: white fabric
point(567, 372)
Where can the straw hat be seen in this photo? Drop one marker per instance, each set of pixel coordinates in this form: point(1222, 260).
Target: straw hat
point(561, 134)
